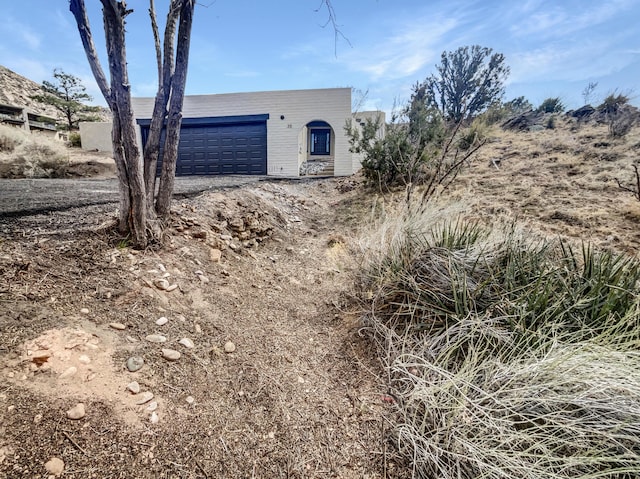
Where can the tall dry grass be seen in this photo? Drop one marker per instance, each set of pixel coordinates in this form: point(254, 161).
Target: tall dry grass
point(508, 356)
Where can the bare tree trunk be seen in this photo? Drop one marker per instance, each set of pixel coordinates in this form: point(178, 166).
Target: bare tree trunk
point(170, 154)
point(132, 217)
point(165, 76)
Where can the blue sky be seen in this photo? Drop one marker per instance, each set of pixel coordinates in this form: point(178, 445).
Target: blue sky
point(554, 48)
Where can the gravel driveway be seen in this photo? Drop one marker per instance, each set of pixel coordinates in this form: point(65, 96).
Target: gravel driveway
point(26, 197)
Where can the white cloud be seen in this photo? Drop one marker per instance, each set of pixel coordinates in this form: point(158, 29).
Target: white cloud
point(26, 35)
point(402, 54)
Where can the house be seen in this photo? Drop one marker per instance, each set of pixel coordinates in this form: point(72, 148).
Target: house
point(279, 133)
point(21, 117)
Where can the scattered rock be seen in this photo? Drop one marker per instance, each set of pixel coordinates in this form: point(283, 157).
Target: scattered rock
point(229, 347)
point(67, 373)
point(37, 419)
point(135, 363)
point(41, 357)
point(76, 412)
point(215, 255)
point(170, 354)
point(131, 339)
point(118, 326)
point(154, 418)
point(84, 311)
point(199, 234)
point(155, 338)
point(153, 405)
point(133, 387)
point(190, 399)
point(187, 343)
point(144, 398)
point(84, 359)
point(162, 321)
point(203, 278)
point(197, 328)
point(55, 466)
point(162, 284)
point(172, 287)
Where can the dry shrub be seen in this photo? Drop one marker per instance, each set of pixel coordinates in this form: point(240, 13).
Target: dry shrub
point(11, 137)
point(33, 156)
point(507, 356)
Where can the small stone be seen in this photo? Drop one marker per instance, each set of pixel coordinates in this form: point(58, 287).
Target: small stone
point(133, 387)
point(84, 359)
point(156, 338)
point(234, 246)
point(153, 405)
point(11, 408)
point(229, 347)
point(131, 339)
point(84, 311)
point(135, 363)
point(118, 326)
point(172, 287)
point(197, 328)
point(67, 373)
point(187, 343)
point(203, 279)
point(55, 466)
point(144, 398)
point(289, 249)
point(40, 357)
point(215, 255)
point(154, 418)
point(190, 399)
point(199, 272)
point(37, 419)
point(11, 374)
point(76, 412)
point(300, 379)
point(162, 284)
point(170, 354)
point(162, 321)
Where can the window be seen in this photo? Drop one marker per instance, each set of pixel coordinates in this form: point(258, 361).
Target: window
point(320, 141)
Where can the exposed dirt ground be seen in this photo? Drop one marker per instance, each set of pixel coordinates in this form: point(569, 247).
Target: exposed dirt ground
point(273, 379)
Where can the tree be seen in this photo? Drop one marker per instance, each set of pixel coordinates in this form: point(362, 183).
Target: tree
point(137, 212)
point(66, 94)
point(467, 82)
point(551, 105)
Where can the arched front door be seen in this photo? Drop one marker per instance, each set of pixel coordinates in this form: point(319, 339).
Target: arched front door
point(320, 145)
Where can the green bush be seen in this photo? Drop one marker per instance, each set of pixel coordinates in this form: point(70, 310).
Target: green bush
point(551, 105)
point(75, 140)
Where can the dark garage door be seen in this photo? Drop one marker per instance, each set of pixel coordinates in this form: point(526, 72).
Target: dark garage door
point(220, 146)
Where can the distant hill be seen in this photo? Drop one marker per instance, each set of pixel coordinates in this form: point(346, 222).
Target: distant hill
point(16, 90)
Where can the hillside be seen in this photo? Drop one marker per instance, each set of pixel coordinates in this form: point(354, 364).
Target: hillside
point(16, 90)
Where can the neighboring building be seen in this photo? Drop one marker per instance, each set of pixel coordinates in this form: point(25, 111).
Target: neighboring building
point(280, 133)
point(22, 118)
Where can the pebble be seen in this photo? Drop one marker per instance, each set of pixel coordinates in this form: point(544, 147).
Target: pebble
point(84, 310)
point(153, 405)
point(131, 339)
point(54, 466)
point(229, 347)
point(172, 287)
point(84, 359)
point(144, 398)
point(67, 373)
point(162, 321)
point(40, 357)
point(118, 326)
point(190, 399)
point(76, 412)
point(203, 278)
point(37, 419)
point(198, 328)
point(154, 418)
point(162, 284)
point(156, 338)
point(170, 354)
point(187, 343)
point(135, 363)
point(215, 255)
point(133, 387)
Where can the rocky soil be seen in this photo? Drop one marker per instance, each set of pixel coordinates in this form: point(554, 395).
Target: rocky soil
point(228, 353)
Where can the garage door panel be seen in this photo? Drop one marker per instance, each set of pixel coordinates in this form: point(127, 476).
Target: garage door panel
point(222, 149)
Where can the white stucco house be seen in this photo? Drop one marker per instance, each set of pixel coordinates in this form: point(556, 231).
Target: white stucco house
point(279, 133)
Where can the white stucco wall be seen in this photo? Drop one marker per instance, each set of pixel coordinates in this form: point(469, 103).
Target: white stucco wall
point(299, 107)
point(96, 135)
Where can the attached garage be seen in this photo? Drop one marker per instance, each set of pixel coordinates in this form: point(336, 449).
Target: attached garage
point(230, 145)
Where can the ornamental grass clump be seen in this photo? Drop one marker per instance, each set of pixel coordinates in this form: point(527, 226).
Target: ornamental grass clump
point(508, 356)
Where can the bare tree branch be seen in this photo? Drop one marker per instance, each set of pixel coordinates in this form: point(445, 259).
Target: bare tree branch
point(334, 24)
